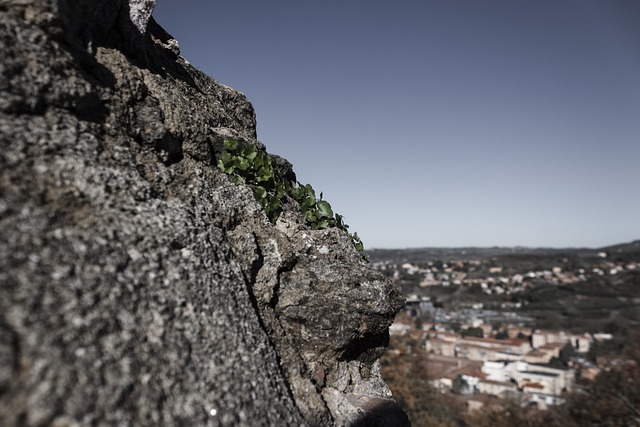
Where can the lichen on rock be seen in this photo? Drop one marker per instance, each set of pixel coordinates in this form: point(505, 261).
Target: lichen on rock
point(139, 285)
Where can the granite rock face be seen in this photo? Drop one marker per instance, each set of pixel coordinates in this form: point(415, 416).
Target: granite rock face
point(139, 285)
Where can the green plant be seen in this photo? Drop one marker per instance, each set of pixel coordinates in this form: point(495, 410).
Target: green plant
point(247, 165)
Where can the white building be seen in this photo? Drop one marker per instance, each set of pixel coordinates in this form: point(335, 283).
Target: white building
point(530, 377)
point(580, 342)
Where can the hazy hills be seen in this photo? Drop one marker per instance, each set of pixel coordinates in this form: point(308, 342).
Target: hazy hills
point(466, 253)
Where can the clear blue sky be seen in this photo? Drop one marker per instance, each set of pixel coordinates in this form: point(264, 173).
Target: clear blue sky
point(442, 123)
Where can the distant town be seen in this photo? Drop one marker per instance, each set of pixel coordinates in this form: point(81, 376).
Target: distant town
point(515, 361)
point(484, 326)
point(492, 278)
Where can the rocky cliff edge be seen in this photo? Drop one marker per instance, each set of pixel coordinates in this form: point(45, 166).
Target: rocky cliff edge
point(139, 285)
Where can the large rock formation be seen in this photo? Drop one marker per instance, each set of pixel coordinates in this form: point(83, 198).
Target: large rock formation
point(139, 285)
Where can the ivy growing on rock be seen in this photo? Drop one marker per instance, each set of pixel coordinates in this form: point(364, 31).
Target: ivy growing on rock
point(252, 167)
point(247, 165)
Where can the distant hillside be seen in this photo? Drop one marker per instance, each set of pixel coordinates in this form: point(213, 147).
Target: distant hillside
point(578, 289)
point(413, 255)
point(623, 247)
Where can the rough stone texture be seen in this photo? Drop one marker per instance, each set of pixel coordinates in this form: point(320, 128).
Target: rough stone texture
point(139, 285)
point(140, 12)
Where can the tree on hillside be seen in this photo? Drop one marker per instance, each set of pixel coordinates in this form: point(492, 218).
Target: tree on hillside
point(613, 398)
point(404, 368)
point(511, 414)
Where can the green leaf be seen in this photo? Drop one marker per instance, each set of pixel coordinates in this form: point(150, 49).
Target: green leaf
point(324, 209)
point(243, 164)
point(309, 201)
point(230, 144)
point(323, 224)
point(226, 158)
point(310, 191)
point(357, 242)
point(250, 152)
point(259, 192)
point(310, 216)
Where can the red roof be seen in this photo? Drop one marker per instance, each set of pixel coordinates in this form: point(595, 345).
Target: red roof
point(534, 385)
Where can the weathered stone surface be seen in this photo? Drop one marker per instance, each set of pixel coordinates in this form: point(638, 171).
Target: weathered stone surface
point(139, 285)
point(140, 12)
